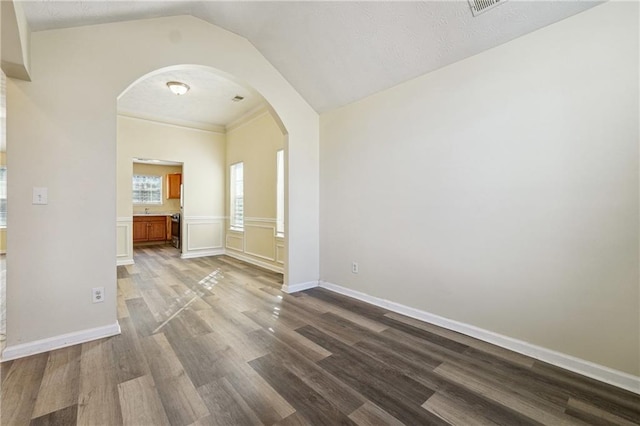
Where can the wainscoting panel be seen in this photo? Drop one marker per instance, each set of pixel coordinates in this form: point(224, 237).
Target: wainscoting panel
point(257, 244)
point(203, 236)
point(280, 250)
point(260, 241)
point(235, 240)
point(124, 244)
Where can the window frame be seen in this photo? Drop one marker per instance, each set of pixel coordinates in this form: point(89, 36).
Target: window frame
point(3, 191)
point(233, 181)
point(280, 193)
point(138, 203)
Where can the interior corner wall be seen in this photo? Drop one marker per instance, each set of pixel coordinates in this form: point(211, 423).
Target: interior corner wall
point(61, 134)
point(501, 191)
point(255, 142)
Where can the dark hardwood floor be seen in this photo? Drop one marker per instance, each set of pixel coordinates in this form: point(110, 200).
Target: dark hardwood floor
point(213, 341)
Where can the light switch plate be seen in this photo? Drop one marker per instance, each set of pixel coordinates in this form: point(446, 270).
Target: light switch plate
point(40, 195)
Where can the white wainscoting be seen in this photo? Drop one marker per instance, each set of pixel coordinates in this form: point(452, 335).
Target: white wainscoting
point(124, 247)
point(235, 241)
point(203, 236)
point(280, 252)
point(257, 244)
point(259, 241)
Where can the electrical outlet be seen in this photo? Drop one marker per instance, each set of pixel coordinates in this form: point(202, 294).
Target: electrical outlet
point(97, 294)
point(354, 267)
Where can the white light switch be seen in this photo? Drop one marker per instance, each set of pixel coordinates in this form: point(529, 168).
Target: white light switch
point(40, 195)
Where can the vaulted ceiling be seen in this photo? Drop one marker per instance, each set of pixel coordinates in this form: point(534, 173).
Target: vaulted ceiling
point(335, 53)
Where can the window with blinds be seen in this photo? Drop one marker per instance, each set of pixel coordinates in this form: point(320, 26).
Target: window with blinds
point(147, 189)
point(236, 192)
point(280, 193)
point(3, 196)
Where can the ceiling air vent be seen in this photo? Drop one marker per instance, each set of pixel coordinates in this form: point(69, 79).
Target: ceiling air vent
point(237, 98)
point(481, 6)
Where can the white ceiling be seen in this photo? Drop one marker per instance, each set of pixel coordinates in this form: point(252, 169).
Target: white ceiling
point(336, 52)
point(206, 105)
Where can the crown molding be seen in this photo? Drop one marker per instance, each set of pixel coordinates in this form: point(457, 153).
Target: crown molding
point(197, 125)
point(247, 117)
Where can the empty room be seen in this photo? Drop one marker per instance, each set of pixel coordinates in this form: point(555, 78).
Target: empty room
point(319, 212)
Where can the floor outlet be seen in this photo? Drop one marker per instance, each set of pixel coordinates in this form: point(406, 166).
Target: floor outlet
point(97, 294)
point(354, 267)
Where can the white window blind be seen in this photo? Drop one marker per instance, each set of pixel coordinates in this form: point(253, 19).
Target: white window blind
point(3, 196)
point(280, 192)
point(237, 195)
point(147, 189)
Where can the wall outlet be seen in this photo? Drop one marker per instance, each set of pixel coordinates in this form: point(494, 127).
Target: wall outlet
point(354, 267)
point(97, 294)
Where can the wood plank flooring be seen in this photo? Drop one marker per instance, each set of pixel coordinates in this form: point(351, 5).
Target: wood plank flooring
point(213, 341)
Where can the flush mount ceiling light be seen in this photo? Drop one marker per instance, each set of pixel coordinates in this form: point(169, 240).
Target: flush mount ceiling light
point(178, 88)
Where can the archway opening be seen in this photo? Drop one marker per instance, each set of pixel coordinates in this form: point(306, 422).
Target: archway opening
point(230, 147)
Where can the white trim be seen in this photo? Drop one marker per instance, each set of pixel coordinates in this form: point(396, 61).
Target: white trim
point(203, 253)
point(259, 219)
point(280, 250)
point(125, 258)
point(294, 288)
point(194, 218)
point(261, 256)
point(234, 237)
point(246, 118)
point(192, 224)
point(58, 342)
point(586, 368)
point(174, 122)
point(234, 253)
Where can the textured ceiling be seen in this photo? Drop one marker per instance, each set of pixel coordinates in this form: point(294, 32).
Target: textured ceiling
point(207, 103)
point(335, 52)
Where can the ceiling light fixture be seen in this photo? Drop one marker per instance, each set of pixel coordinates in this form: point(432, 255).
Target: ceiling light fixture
point(178, 88)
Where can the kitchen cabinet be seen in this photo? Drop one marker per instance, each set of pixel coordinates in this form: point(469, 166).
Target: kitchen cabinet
point(149, 228)
point(173, 185)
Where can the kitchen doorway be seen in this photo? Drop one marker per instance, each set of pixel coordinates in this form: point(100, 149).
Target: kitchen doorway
point(157, 201)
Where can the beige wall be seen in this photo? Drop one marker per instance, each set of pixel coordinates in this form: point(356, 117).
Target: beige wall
point(61, 134)
point(168, 205)
point(501, 191)
point(255, 143)
point(202, 154)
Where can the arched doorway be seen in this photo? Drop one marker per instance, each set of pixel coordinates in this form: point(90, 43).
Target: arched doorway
point(216, 127)
point(66, 122)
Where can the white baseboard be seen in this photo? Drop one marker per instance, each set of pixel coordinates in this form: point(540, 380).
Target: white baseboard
point(201, 253)
point(124, 262)
point(256, 262)
point(293, 288)
point(58, 342)
point(577, 365)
